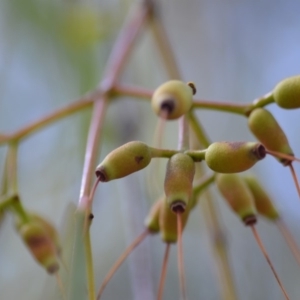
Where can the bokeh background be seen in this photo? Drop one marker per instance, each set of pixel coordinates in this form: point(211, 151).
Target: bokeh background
point(52, 52)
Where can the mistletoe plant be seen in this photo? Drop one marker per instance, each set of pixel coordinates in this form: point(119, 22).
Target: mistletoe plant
point(183, 186)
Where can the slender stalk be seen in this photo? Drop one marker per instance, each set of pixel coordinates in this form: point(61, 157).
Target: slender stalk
point(60, 286)
point(118, 57)
point(263, 250)
point(92, 151)
point(289, 239)
point(183, 134)
point(12, 181)
point(156, 152)
point(203, 184)
point(163, 273)
point(263, 101)
point(131, 91)
point(196, 155)
point(4, 182)
point(84, 102)
point(12, 168)
point(180, 257)
point(198, 130)
point(164, 47)
point(295, 178)
point(89, 261)
point(217, 235)
point(153, 185)
point(6, 201)
point(289, 158)
point(240, 109)
point(120, 260)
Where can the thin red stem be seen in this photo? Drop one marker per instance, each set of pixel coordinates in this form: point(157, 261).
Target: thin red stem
point(180, 258)
point(263, 250)
point(163, 273)
point(282, 155)
point(118, 57)
point(289, 239)
point(295, 178)
point(120, 260)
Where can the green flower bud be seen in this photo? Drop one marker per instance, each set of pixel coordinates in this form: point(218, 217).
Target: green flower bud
point(40, 245)
point(179, 181)
point(233, 157)
point(127, 159)
point(172, 99)
point(263, 202)
point(152, 220)
point(264, 126)
point(51, 231)
point(287, 93)
point(238, 196)
point(168, 222)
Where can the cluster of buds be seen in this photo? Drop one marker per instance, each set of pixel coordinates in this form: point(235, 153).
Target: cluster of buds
point(244, 194)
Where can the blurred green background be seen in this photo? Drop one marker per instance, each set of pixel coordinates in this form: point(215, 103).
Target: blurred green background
point(51, 52)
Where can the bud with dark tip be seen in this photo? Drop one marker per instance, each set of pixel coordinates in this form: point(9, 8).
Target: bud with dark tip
point(168, 221)
point(51, 231)
point(40, 244)
point(263, 202)
point(152, 220)
point(265, 127)
point(233, 157)
point(123, 161)
point(238, 196)
point(173, 99)
point(179, 181)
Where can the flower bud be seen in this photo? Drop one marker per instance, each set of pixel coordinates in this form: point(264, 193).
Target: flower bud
point(238, 196)
point(152, 220)
point(179, 181)
point(265, 127)
point(287, 93)
point(40, 245)
point(123, 161)
point(172, 99)
point(168, 222)
point(233, 157)
point(263, 202)
point(51, 231)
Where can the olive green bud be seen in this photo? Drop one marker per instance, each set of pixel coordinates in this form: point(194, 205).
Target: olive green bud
point(123, 161)
point(233, 157)
point(40, 245)
point(287, 93)
point(152, 220)
point(179, 181)
point(50, 229)
point(172, 99)
point(263, 202)
point(238, 196)
point(265, 127)
point(168, 222)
